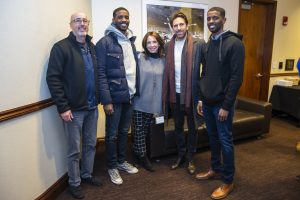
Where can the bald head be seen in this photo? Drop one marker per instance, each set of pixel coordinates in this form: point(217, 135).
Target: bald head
point(78, 15)
point(79, 24)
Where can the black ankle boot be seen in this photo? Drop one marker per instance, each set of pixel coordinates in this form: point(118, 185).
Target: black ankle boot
point(136, 160)
point(145, 162)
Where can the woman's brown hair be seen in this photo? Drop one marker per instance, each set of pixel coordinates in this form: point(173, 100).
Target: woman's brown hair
point(160, 41)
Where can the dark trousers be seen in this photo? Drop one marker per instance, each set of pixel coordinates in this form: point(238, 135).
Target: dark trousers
point(221, 141)
point(184, 147)
point(116, 131)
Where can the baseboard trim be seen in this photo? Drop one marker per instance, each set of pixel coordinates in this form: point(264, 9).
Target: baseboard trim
point(61, 184)
point(56, 189)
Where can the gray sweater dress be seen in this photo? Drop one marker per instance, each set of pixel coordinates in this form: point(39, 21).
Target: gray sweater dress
point(151, 76)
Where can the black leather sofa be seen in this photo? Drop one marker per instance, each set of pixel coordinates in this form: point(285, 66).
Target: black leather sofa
point(252, 118)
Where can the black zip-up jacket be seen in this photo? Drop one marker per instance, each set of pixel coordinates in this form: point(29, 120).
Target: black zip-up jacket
point(66, 75)
point(223, 67)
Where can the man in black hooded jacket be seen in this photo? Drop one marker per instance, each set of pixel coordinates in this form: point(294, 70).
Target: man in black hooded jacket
point(220, 81)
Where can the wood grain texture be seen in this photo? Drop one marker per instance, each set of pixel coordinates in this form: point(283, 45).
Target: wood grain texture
point(257, 26)
point(24, 110)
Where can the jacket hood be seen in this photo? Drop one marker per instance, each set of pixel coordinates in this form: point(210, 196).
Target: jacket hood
point(112, 29)
point(228, 33)
point(223, 37)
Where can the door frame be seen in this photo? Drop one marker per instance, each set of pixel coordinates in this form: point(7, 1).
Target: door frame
point(268, 44)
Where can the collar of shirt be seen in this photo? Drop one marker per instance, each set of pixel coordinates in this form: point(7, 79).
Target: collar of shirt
point(216, 37)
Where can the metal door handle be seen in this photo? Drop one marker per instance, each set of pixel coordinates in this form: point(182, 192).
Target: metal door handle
point(259, 75)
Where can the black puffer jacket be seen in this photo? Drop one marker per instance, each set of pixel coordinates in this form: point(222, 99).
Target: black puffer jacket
point(112, 74)
point(66, 75)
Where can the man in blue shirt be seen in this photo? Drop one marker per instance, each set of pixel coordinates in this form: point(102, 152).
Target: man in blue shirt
point(71, 78)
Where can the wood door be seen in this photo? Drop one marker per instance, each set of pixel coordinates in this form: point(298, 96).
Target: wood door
point(256, 23)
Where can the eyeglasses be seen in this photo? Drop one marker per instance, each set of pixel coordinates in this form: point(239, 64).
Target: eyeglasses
point(80, 20)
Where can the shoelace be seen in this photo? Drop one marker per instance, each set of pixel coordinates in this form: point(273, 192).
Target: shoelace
point(126, 165)
point(115, 174)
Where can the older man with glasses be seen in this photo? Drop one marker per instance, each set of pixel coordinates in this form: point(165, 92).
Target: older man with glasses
point(73, 84)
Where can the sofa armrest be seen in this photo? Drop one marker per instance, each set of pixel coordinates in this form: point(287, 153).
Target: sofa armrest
point(256, 106)
point(253, 105)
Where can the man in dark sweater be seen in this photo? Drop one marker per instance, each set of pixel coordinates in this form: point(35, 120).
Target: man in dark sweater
point(220, 81)
point(73, 84)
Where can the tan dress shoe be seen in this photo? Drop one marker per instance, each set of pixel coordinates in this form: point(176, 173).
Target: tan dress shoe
point(298, 146)
point(222, 191)
point(208, 175)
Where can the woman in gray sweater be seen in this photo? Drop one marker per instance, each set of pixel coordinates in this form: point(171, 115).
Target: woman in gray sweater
point(149, 104)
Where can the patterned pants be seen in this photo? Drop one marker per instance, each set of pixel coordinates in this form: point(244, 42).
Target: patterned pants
point(141, 122)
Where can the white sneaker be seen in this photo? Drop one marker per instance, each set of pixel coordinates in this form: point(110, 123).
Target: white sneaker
point(115, 176)
point(127, 167)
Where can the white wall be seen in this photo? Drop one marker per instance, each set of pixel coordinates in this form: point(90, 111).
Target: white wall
point(32, 147)
point(29, 28)
point(32, 153)
point(286, 38)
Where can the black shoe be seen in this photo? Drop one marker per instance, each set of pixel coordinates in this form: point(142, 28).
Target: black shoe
point(76, 192)
point(298, 178)
point(191, 168)
point(136, 160)
point(178, 163)
point(145, 162)
point(92, 181)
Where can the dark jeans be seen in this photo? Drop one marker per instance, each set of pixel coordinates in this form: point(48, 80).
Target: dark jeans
point(191, 145)
point(116, 133)
point(221, 141)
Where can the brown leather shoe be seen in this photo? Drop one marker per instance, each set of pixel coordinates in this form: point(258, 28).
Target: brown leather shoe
point(222, 191)
point(208, 175)
point(191, 168)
